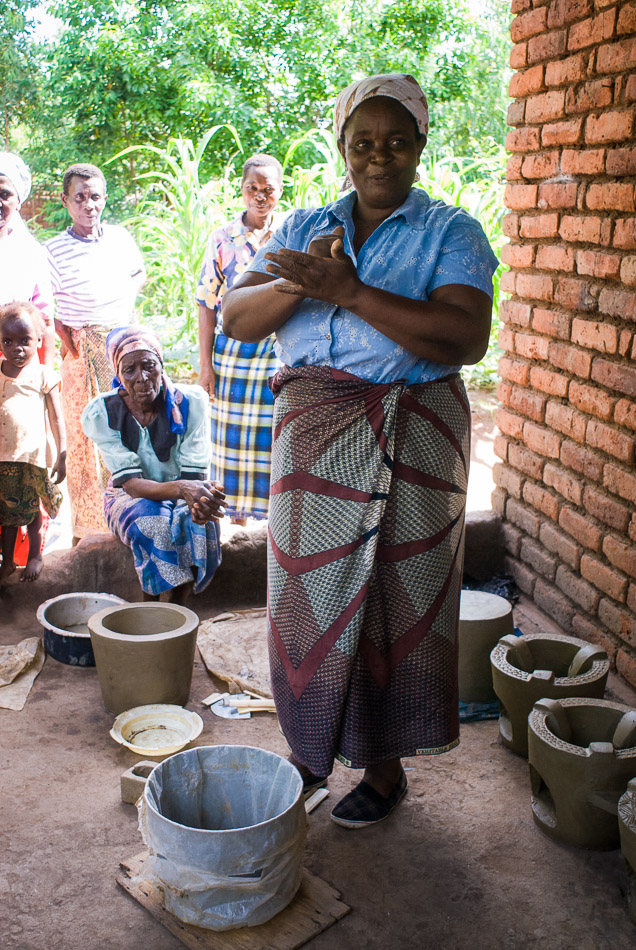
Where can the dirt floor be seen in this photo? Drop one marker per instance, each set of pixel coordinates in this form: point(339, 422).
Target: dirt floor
point(459, 866)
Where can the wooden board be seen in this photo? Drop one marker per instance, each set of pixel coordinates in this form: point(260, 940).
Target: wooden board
point(315, 908)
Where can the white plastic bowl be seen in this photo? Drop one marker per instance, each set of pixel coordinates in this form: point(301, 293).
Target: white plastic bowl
point(156, 730)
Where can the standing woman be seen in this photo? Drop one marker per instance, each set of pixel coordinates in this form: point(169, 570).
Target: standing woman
point(24, 271)
point(376, 301)
point(96, 273)
point(234, 373)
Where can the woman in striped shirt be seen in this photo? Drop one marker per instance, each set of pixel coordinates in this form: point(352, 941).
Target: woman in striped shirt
point(96, 272)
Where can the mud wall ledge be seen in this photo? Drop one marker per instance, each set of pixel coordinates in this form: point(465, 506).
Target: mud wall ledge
point(101, 563)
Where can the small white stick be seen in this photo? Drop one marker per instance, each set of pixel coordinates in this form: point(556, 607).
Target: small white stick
point(260, 703)
point(256, 695)
point(315, 799)
point(212, 698)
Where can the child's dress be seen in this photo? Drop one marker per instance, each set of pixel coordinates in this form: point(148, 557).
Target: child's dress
point(24, 478)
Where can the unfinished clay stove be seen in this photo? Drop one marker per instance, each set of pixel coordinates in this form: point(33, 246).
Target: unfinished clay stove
point(144, 654)
point(64, 621)
point(627, 830)
point(133, 781)
point(483, 619)
point(537, 666)
point(582, 753)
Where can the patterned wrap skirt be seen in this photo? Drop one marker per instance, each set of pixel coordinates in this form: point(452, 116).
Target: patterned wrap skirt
point(82, 379)
point(242, 417)
point(169, 548)
point(22, 488)
point(365, 555)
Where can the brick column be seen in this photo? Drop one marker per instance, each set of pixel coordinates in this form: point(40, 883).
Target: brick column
point(566, 484)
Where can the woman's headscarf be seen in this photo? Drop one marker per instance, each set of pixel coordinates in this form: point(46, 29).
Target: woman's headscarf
point(398, 86)
point(131, 339)
point(13, 168)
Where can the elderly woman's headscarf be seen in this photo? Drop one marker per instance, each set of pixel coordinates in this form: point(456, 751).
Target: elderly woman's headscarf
point(398, 86)
point(131, 339)
point(13, 168)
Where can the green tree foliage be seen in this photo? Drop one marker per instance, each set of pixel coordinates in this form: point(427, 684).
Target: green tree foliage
point(126, 72)
point(18, 69)
point(171, 223)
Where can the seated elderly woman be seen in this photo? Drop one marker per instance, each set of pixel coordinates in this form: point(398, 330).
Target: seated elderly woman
point(154, 439)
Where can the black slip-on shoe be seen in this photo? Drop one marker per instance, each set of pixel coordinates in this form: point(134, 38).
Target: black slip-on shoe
point(364, 806)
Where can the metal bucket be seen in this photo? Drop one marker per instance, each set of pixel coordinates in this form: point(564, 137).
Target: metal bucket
point(64, 620)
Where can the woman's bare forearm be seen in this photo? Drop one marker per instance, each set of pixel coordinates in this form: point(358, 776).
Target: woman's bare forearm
point(203, 498)
point(207, 326)
point(153, 491)
point(452, 327)
point(252, 309)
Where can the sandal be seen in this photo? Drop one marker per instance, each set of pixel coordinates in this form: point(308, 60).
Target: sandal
point(364, 806)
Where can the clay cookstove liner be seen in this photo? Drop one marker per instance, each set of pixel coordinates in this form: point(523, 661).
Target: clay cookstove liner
point(144, 654)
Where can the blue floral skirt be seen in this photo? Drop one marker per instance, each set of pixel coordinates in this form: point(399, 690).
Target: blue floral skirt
point(169, 548)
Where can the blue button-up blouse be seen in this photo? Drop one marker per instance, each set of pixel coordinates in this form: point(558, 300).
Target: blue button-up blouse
point(424, 244)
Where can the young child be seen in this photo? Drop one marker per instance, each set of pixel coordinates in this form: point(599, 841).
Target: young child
point(28, 393)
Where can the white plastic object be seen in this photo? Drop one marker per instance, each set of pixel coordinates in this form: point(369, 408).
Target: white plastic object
point(157, 729)
point(315, 799)
point(226, 829)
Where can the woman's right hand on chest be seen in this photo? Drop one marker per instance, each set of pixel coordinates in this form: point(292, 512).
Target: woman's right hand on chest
point(328, 245)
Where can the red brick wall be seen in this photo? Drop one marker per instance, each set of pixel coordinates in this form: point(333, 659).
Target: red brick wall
point(566, 483)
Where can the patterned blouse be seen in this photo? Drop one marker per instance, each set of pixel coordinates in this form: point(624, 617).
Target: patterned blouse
point(229, 252)
point(423, 245)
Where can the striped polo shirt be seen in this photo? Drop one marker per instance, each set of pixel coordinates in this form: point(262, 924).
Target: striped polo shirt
point(92, 279)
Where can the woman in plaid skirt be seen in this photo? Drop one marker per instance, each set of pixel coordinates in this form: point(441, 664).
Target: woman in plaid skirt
point(236, 374)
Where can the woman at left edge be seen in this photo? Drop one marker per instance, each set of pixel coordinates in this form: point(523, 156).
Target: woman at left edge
point(24, 271)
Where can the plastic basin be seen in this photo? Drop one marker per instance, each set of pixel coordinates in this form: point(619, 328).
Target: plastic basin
point(64, 620)
point(226, 828)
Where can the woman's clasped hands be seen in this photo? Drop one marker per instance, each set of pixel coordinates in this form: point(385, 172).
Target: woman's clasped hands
point(325, 272)
point(204, 499)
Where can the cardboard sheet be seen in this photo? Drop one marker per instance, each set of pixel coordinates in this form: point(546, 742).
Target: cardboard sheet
point(20, 663)
point(234, 648)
